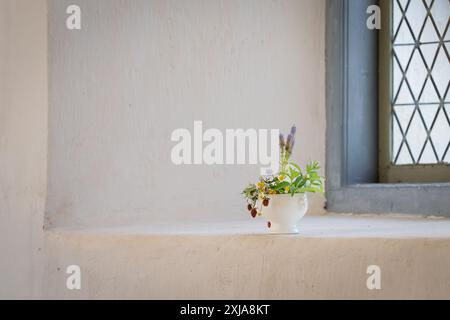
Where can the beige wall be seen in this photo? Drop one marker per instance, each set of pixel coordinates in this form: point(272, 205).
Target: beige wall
point(23, 141)
point(246, 267)
point(117, 90)
point(140, 69)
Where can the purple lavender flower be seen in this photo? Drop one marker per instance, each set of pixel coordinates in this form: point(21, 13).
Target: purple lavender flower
point(291, 140)
point(282, 143)
point(289, 143)
point(293, 130)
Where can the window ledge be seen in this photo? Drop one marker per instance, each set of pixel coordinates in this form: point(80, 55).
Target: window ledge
point(330, 226)
point(239, 260)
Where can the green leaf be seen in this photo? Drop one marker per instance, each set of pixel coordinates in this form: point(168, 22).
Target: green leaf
point(296, 166)
point(281, 185)
point(293, 174)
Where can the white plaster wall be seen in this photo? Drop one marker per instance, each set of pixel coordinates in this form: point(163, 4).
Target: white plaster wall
point(91, 138)
point(140, 69)
point(23, 141)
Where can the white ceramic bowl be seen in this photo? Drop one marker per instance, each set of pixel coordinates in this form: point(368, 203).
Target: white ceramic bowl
point(285, 211)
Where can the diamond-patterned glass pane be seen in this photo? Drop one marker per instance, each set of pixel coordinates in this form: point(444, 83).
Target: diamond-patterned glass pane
point(416, 15)
point(416, 136)
point(441, 72)
point(416, 74)
point(421, 81)
point(440, 12)
point(440, 134)
point(429, 113)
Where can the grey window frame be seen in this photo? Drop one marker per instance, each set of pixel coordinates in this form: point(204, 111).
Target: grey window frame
point(352, 124)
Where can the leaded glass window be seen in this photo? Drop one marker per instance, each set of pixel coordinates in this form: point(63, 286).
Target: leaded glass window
point(420, 79)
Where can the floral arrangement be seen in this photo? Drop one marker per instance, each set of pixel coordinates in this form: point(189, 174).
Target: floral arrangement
point(290, 180)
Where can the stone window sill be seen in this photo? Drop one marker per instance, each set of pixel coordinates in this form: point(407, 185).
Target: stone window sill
point(328, 226)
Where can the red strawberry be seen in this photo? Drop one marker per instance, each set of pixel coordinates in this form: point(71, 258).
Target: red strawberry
point(269, 224)
point(249, 207)
point(254, 213)
point(265, 202)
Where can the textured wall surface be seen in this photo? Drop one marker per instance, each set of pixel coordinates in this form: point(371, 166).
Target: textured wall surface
point(136, 71)
point(23, 145)
point(328, 261)
point(139, 69)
